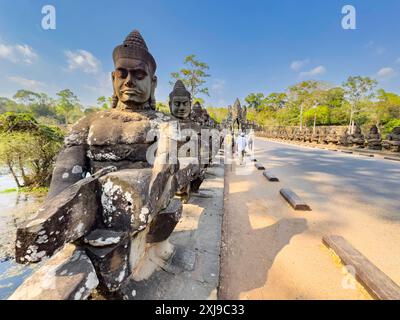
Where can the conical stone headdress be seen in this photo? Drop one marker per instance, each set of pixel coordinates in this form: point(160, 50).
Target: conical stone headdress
point(179, 90)
point(135, 47)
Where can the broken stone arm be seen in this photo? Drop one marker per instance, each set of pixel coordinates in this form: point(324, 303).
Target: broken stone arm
point(62, 219)
point(71, 166)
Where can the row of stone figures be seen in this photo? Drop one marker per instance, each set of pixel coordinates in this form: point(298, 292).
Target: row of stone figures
point(337, 135)
point(112, 202)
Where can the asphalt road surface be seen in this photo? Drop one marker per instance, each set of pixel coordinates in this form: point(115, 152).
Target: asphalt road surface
point(271, 251)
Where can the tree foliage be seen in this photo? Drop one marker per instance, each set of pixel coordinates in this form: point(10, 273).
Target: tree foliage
point(193, 76)
point(28, 148)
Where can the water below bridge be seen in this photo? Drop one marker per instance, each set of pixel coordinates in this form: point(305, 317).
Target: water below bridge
point(15, 208)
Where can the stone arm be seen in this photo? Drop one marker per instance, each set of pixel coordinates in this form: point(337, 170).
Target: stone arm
point(163, 185)
point(71, 166)
point(72, 163)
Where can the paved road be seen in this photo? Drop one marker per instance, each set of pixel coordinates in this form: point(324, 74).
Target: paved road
point(273, 252)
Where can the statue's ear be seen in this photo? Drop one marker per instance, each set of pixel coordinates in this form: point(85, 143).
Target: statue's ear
point(153, 90)
point(114, 96)
point(154, 81)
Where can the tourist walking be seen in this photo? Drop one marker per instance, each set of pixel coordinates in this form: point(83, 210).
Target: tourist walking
point(241, 143)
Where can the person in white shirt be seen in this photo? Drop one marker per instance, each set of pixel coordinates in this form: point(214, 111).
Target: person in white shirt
point(241, 146)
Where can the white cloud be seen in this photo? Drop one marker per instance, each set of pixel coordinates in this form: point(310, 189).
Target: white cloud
point(83, 60)
point(386, 73)
point(313, 72)
point(19, 53)
point(298, 64)
point(218, 85)
point(27, 83)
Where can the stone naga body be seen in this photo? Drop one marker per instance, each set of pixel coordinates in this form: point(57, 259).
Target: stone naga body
point(111, 191)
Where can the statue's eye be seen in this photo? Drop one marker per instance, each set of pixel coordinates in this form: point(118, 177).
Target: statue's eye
point(177, 103)
point(140, 75)
point(185, 103)
point(121, 73)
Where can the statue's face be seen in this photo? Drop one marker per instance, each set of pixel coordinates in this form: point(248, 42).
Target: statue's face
point(374, 130)
point(180, 106)
point(133, 82)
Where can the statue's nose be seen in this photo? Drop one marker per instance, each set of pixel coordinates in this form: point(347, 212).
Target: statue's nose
point(128, 81)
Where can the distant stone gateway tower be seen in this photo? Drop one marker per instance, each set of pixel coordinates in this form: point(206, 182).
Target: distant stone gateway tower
point(237, 117)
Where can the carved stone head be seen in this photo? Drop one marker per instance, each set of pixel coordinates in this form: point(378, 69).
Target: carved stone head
point(180, 102)
point(134, 79)
point(396, 130)
point(373, 130)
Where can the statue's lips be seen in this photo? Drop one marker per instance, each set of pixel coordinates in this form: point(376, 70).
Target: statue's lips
point(131, 92)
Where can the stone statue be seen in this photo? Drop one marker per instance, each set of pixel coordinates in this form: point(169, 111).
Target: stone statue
point(315, 135)
point(197, 114)
point(332, 137)
point(392, 141)
point(374, 139)
point(189, 131)
point(344, 138)
point(111, 190)
point(322, 135)
point(357, 138)
point(307, 134)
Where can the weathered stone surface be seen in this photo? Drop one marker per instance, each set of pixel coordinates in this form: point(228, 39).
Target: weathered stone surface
point(374, 139)
point(270, 176)
point(63, 218)
point(103, 238)
point(375, 281)
point(188, 169)
point(72, 166)
point(259, 166)
point(392, 141)
point(164, 223)
point(68, 275)
point(196, 183)
point(294, 200)
point(109, 251)
point(125, 198)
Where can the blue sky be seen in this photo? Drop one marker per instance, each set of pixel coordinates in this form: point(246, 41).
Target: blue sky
point(251, 46)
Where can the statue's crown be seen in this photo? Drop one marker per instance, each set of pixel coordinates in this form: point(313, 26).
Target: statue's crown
point(135, 39)
point(134, 47)
point(179, 90)
point(197, 106)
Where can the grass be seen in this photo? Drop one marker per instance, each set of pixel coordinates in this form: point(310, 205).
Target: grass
point(26, 190)
point(8, 190)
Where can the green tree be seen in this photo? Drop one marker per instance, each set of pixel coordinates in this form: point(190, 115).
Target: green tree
point(218, 114)
point(357, 89)
point(386, 107)
point(163, 107)
point(255, 100)
point(193, 76)
point(104, 103)
point(301, 95)
point(28, 148)
point(66, 104)
point(276, 100)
